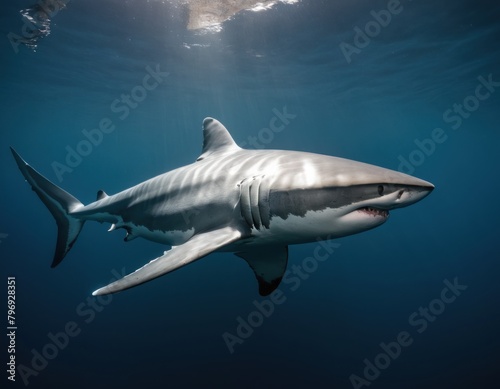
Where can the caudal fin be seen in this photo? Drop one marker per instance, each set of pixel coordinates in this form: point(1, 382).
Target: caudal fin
point(59, 202)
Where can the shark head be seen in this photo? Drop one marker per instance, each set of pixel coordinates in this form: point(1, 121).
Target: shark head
point(373, 202)
point(373, 192)
point(336, 197)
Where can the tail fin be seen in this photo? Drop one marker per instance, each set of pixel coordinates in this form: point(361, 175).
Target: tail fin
point(60, 203)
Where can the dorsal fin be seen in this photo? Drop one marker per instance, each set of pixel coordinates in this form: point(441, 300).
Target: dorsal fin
point(216, 138)
point(101, 195)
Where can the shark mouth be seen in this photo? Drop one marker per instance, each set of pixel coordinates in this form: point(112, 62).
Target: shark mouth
point(374, 211)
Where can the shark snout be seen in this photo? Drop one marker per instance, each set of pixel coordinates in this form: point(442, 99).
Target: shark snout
point(404, 195)
point(401, 190)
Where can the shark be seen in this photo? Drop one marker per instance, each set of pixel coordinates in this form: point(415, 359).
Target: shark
point(253, 203)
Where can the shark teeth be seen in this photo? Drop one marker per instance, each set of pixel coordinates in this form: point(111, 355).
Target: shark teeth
point(374, 211)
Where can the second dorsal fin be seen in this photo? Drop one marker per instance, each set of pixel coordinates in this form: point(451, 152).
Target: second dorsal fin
point(101, 195)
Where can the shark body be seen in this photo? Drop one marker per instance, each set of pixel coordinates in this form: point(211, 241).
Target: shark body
point(254, 203)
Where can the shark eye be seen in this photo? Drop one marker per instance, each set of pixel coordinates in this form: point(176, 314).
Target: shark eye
point(381, 190)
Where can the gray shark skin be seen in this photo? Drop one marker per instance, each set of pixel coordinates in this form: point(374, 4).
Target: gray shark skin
point(254, 203)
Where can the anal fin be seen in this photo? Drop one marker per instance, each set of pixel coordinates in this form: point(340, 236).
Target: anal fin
point(269, 265)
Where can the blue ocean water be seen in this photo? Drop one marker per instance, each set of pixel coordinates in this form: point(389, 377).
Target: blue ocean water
point(427, 279)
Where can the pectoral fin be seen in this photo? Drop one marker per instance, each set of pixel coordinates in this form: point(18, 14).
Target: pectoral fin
point(197, 247)
point(269, 265)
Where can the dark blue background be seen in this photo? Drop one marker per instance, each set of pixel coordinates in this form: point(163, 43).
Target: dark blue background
point(168, 333)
